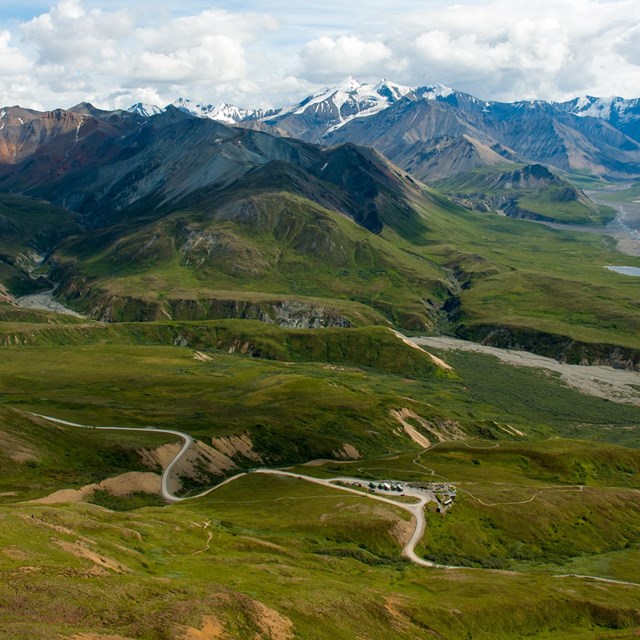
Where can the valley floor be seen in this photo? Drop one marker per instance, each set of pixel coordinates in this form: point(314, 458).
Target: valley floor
point(612, 384)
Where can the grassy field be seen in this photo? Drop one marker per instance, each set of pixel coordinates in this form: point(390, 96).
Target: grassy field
point(281, 558)
point(277, 558)
point(555, 505)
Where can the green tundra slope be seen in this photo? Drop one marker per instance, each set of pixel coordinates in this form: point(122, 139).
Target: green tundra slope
point(528, 191)
point(273, 557)
point(295, 263)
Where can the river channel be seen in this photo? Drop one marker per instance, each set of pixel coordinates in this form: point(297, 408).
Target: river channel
point(626, 226)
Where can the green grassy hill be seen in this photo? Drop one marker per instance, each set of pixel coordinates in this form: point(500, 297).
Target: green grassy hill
point(530, 192)
point(279, 257)
point(262, 248)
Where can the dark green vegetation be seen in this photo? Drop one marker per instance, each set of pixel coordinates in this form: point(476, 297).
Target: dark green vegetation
point(370, 347)
point(536, 397)
point(29, 229)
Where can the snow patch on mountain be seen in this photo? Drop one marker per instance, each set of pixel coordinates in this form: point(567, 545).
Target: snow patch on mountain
point(433, 92)
point(145, 110)
point(614, 109)
point(227, 113)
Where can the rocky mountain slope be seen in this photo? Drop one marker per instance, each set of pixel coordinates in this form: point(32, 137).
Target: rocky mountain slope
point(187, 218)
point(410, 133)
point(530, 192)
point(435, 131)
point(618, 112)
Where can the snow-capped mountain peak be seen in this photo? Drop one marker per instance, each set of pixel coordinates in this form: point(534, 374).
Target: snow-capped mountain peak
point(226, 113)
point(614, 109)
point(231, 114)
point(435, 91)
point(349, 84)
point(346, 100)
point(193, 108)
point(145, 110)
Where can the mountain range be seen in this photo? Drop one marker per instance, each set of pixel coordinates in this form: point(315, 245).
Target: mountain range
point(147, 214)
point(435, 131)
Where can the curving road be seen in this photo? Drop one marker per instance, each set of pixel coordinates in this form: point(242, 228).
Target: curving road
point(187, 442)
point(415, 509)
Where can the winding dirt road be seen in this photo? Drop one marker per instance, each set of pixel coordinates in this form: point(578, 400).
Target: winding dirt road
point(415, 509)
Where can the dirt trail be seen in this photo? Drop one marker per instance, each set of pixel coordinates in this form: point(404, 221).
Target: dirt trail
point(616, 385)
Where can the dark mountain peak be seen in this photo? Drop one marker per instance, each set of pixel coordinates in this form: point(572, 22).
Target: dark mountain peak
point(87, 109)
point(175, 114)
point(533, 171)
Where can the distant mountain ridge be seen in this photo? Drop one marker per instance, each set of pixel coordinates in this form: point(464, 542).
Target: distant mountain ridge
point(435, 132)
point(183, 217)
point(352, 98)
point(227, 113)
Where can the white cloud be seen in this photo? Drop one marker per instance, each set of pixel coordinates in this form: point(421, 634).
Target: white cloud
point(109, 51)
point(515, 49)
point(193, 31)
point(217, 58)
point(74, 52)
point(12, 61)
point(346, 55)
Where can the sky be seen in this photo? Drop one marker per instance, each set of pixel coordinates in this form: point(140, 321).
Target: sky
point(251, 53)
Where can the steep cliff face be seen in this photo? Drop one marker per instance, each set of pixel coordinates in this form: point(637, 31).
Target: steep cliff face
point(108, 307)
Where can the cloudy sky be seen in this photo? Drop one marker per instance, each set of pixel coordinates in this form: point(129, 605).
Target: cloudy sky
point(269, 53)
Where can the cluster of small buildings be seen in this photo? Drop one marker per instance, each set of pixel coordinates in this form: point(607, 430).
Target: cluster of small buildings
point(387, 486)
point(442, 493)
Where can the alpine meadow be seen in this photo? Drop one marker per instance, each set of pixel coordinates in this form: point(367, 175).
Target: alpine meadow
point(364, 366)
